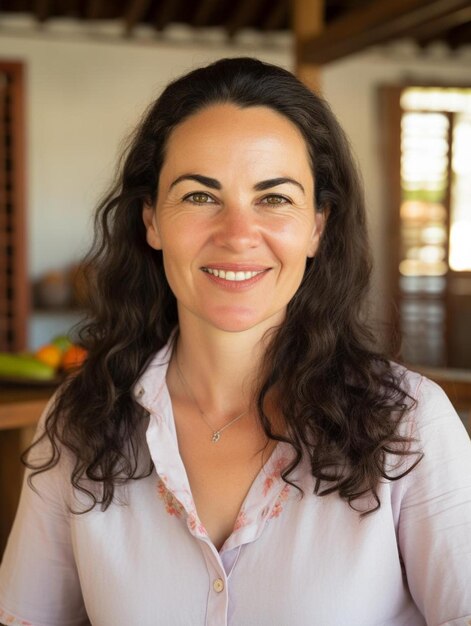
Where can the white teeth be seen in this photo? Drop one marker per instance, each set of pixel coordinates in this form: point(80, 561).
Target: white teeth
point(232, 276)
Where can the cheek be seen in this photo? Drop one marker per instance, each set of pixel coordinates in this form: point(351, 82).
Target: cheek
point(179, 253)
point(174, 263)
point(294, 240)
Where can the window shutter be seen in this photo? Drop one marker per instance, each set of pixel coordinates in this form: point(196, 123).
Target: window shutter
point(14, 292)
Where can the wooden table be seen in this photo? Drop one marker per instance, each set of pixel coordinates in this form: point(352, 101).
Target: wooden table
point(22, 406)
point(20, 410)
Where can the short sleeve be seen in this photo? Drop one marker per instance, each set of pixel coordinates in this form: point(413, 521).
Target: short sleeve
point(435, 517)
point(39, 584)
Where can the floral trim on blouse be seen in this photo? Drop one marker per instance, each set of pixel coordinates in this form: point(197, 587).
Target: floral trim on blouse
point(176, 508)
point(274, 475)
point(172, 505)
point(195, 525)
point(241, 520)
point(271, 479)
point(279, 503)
point(14, 621)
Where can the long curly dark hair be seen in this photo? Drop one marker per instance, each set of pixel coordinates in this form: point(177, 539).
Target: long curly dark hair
point(342, 401)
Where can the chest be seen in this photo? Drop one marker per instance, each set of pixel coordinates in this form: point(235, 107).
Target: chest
point(305, 560)
point(221, 473)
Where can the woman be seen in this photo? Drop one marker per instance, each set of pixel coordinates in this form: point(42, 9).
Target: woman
point(234, 451)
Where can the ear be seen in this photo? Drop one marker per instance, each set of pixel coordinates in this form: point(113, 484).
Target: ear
point(150, 222)
point(320, 218)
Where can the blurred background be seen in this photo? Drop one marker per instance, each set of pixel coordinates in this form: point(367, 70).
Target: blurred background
point(76, 75)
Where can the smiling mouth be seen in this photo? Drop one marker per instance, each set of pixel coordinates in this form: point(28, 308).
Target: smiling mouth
point(232, 276)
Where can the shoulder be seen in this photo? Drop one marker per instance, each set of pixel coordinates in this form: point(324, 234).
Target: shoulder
point(431, 408)
point(428, 405)
point(436, 432)
point(438, 443)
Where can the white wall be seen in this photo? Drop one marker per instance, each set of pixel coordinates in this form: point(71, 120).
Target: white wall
point(84, 96)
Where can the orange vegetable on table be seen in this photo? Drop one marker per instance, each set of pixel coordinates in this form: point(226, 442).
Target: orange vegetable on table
point(73, 358)
point(50, 355)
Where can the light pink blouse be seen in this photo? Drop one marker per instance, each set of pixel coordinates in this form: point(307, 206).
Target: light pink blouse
point(147, 560)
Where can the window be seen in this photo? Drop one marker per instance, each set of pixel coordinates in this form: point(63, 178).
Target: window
point(428, 157)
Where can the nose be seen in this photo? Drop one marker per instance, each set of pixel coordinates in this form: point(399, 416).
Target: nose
point(237, 229)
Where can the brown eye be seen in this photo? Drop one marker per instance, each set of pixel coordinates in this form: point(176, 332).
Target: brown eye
point(199, 198)
point(275, 199)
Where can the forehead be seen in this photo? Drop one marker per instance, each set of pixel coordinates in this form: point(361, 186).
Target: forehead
point(226, 133)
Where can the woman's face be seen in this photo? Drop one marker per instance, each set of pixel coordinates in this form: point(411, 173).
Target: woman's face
point(235, 216)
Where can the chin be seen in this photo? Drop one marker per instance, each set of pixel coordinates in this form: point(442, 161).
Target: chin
point(243, 322)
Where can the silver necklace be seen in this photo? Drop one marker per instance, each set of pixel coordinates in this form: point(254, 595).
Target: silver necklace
point(216, 433)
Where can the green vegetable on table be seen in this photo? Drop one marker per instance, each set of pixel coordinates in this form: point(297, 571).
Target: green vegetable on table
point(24, 366)
point(62, 342)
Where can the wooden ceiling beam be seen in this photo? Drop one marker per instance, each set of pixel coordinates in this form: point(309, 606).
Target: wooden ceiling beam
point(42, 10)
point(96, 9)
point(308, 20)
point(459, 36)
point(430, 30)
point(69, 8)
point(244, 12)
point(377, 23)
point(276, 18)
point(204, 11)
point(168, 9)
point(134, 13)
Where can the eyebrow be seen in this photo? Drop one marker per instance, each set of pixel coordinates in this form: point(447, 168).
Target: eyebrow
point(213, 183)
point(274, 182)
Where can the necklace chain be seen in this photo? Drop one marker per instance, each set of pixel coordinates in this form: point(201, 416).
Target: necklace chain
point(216, 433)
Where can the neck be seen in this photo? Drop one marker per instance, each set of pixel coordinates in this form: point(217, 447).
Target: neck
point(220, 367)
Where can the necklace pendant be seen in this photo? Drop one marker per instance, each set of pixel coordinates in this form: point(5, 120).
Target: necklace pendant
point(216, 436)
